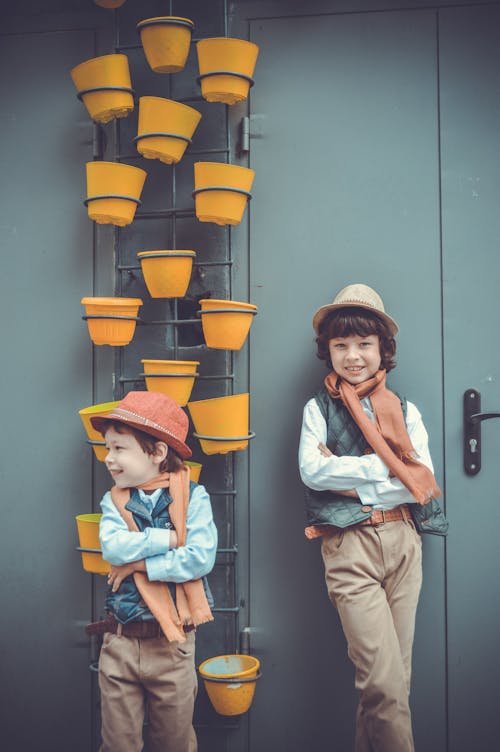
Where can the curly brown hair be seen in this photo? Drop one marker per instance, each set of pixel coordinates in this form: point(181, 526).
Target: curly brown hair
point(346, 322)
point(172, 461)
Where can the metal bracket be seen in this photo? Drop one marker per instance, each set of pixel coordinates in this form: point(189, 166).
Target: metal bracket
point(472, 430)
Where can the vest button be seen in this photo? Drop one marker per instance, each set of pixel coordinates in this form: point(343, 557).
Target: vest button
point(366, 508)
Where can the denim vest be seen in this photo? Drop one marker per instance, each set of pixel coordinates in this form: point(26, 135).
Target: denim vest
point(345, 438)
point(127, 604)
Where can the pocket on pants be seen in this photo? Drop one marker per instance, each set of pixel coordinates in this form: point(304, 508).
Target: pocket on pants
point(332, 542)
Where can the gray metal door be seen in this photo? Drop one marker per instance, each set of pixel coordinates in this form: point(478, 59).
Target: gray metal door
point(47, 376)
point(371, 137)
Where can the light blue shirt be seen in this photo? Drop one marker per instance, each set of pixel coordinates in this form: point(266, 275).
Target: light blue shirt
point(189, 562)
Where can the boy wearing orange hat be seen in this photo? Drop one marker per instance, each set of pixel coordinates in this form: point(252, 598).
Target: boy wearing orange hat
point(370, 492)
point(157, 532)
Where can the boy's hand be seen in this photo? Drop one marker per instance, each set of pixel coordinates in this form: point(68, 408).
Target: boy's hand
point(173, 539)
point(118, 574)
point(352, 493)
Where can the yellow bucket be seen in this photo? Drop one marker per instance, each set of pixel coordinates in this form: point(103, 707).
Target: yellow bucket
point(195, 470)
point(166, 41)
point(172, 377)
point(226, 68)
point(221, 423)
point(226, 323)
point(167, 273)
point(88, 534)
point(104, 86)
point(111, 321)
point(100, 449)
point(113, 192)
point(86, 414)
point(221, 192)
point(165, 128)
point(230, 682)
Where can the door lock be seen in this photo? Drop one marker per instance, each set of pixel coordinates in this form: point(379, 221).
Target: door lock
point(472, 430)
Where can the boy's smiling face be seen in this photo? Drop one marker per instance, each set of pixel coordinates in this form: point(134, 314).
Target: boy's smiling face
point(354, 358)
point(130, 466)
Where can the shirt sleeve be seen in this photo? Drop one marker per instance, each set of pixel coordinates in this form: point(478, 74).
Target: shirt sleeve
point(391, 492)
point(332, 473)
point(120, 545)
point(197, 557)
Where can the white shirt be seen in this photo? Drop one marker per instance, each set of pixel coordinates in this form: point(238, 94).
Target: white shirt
point(367, 474)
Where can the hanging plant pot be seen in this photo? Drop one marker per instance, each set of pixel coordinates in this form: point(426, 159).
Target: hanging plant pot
point(221, 423)
point(166, 41)
point(195, 470)
point(226, 323)
point(172, 377)
point(113, 192)
point(226, 68)
point(109, 3)
point(167, 273)
point(90, 546)
point(95, 439)
point(221, 192)
point(111, 321)
point(165, 128)
point(230, 682)
point(104, 86)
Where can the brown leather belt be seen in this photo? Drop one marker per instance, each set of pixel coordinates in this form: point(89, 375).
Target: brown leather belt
point(139, 629)
point(380, 516)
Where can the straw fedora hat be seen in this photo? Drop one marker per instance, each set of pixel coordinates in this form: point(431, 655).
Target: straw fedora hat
point(155, 414)
point(356, 296)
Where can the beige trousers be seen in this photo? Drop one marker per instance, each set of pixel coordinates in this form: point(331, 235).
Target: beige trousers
point(374, 575)
point(153, 675)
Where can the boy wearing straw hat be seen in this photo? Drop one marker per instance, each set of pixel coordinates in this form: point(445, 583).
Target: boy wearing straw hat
point(370, 492)
point(158, 534)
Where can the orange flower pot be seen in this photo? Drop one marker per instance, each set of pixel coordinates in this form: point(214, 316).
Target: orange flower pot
point(113, 192)
point(221, 192)
point(165, 128)
point(172, 377)
point(166, 41)
point(195, 470)
point(90, 546)
point(167, 273)
point(226, 323)
point(226, 68)
point(221, 423)
point(230, 682)
point(104, 86)
point(111, 321)
point(94, 437)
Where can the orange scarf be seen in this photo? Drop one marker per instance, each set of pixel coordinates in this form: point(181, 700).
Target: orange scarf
point(192, 604)
point(387, 436)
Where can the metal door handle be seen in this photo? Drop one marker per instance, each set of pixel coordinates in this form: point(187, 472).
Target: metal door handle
point(472, 430)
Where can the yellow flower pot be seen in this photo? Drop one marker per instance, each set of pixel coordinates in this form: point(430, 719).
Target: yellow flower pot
point(195, 470)
point(90, 546)
point(113, 192)
point(230, 682)
point(165, 128)
point(226, 323)
point(87, 412)
point(100, 449)
point(166, 41)
point(221, 423)
point(111, 321)
point(221, 192)
point(172, 377)
point(226, 68)
point(167, 273)
point(104, 86)
point(109, 3)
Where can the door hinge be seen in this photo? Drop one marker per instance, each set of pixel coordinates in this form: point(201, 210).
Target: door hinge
point(250, 127)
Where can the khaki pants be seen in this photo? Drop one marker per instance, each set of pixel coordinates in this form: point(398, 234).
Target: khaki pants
point(373, 575)
point(153, 674)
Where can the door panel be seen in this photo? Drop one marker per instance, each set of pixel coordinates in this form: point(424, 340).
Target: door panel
point(345, 149)
point(470, 128)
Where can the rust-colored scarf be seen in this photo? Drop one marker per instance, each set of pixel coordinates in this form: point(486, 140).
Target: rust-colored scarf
point(387, 436)
point(192, 604)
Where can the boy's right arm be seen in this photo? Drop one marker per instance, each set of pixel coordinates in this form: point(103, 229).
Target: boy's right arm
point(122, 546)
